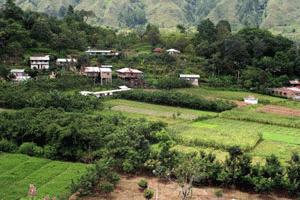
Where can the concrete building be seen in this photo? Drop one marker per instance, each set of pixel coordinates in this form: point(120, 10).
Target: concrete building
point(192, 78)
point(251, 100)
point(66, 62)
point(95, 52)
point(19, 75)
point(40, 62)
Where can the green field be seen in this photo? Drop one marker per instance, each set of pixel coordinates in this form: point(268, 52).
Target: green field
point(214, 93)
point(260, 134)
point(50, 177)
point(167, 114)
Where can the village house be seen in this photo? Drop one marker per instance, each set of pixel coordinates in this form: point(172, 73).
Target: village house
point(173, 52)
point(95, 52)
point(292, 92)
point(131, 77)
point(66, 62)
point(191, 78)
point(40, 62)
point(104, 74)
point(19, 75)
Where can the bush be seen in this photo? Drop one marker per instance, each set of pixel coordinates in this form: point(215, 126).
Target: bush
point(171, 83)
point(31, 149)
point(143, 184)
point(50, 151)
point(148, 194)
point(177, 99)
point(106, 187)
point(7, 146)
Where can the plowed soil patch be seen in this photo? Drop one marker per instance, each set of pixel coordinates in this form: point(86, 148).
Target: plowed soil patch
point(281, 110)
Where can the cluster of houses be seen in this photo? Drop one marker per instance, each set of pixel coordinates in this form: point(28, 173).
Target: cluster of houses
point(292, 92)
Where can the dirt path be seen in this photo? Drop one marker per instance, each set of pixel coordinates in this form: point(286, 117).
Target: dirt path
point(280, 110)
point(127, 189)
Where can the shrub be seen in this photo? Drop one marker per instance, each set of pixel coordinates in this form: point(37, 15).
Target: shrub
point(50, 151)
point(7, 146)
point(28, 148)
point(171, 83)
point(177, 99)
point(106, 187)
point(143, 184)
point(219, 193)
point(148, 194)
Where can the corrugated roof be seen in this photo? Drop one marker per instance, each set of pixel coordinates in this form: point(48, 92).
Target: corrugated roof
point(129, 70)
point(189, 76)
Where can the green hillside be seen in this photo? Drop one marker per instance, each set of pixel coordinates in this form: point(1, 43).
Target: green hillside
point(280, 16)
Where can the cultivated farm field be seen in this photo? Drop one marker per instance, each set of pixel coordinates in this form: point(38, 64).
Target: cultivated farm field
point(50, 177)
point(258, 132)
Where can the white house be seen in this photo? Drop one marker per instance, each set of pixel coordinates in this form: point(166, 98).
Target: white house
point(251, 100)
point(40, 62)
point(19, 75)
point(65, 61)
point(95, 52)
point(173, 51)
point(192, 78)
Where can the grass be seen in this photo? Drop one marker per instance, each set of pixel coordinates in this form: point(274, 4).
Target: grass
point(168, 114)
point(259, 133)
point(214, 93)
point(220, 134)
point(253, 114)
point(50, 177)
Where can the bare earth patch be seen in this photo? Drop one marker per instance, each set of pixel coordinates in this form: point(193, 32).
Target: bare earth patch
point(127, 189)
point(281, 110)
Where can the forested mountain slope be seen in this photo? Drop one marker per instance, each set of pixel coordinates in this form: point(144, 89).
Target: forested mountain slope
point(280, 16)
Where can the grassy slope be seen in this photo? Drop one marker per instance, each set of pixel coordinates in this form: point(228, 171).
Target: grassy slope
point(50, 177)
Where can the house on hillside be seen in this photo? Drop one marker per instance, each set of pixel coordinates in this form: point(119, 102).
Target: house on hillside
point(92, 72)
point(191, 78)
point(173, 52)
point(292, 92)
point(95, 52)
point(19, 75)
point(131, 77)
point(40, 62)
point(63, 62)
point(104, 74)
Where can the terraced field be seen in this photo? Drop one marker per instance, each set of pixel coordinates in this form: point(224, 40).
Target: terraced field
point(259, 133)
point(50, 177)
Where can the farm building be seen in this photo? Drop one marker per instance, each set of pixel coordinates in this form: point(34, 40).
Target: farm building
point(104, 74)
point(95, 52)
point(295, 83)
point(173, 51)
point(292, 92)
point(19, 75)
point(40, 62)
point(66, 62)
point(131, 77)
point(192, 78)
point(251, 100)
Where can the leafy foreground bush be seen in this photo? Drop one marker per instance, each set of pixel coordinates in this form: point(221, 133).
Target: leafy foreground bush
point(99, 178)
point(143, 184)
point(148, 194)
point(19, 96)
point(55, 134)
point(177, 99)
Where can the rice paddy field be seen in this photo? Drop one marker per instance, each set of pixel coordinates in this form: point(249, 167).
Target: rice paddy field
point(258, 132)
point(50, 177)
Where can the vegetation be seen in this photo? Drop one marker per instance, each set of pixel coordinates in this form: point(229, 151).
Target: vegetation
point(51, 178)
point(177, 100)
point(143, 184)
